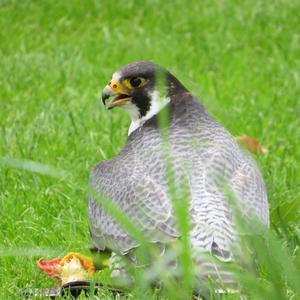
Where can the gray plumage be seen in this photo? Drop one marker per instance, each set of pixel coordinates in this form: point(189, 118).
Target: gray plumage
point(202, 152)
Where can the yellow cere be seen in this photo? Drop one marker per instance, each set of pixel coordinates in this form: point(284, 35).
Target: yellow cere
point(116, 86)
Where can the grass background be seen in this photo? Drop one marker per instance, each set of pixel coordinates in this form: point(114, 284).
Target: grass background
point(241, 58)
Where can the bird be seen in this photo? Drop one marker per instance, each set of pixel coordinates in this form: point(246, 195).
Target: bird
point(203, 154)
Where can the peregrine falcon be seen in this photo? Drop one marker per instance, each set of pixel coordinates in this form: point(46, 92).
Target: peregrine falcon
point(201, 150)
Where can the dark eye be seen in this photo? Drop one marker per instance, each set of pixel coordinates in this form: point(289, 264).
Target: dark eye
point(135, 82)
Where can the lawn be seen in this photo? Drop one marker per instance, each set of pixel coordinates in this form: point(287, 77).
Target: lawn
point(241, 58)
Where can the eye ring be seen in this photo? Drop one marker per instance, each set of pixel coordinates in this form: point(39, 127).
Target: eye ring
point(135, 82)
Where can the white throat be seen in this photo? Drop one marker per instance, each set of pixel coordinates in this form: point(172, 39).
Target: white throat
point(157, 103)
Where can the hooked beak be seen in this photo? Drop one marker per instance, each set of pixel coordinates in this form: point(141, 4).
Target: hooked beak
point(115, 89)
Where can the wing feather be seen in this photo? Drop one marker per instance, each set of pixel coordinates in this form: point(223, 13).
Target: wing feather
point(143, 199)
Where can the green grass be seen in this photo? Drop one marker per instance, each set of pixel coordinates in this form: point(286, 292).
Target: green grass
point(241, 58)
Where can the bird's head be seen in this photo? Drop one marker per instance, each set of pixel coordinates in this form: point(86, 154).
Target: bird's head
point(136, 89)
